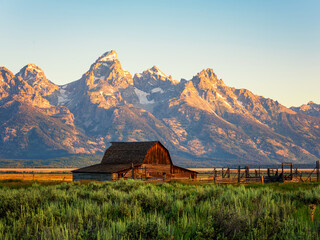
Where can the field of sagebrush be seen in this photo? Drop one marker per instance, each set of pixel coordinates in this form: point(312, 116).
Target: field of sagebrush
point(138, 210)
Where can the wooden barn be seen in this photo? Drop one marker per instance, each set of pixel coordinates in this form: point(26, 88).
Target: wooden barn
point(138, 160)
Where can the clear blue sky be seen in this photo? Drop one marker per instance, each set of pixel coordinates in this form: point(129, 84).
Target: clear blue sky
point(269, 47)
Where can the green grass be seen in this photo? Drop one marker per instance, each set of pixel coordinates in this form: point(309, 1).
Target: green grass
point(286, 186)
point(137, 210)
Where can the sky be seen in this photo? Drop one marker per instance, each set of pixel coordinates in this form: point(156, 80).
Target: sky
point(270, 47)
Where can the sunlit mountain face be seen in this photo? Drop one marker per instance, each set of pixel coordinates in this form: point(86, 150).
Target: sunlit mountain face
point(202, 119)
point(310, 108)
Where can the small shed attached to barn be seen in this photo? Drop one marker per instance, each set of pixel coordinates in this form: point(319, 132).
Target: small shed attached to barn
point(139, 160)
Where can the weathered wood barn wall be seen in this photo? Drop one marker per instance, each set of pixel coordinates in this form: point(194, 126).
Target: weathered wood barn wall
point(101, 177)
point(139, 160)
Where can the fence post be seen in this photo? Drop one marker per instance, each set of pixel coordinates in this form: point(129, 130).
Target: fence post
point(318, 173)
point(262, 180)
point(132, 171)
point(247, 172)
point(239, 174)
point(145, 172)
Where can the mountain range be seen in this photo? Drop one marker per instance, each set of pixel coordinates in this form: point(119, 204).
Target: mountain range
point(202, 121)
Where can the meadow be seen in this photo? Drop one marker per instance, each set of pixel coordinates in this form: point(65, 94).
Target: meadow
point(11, 175)
point(133, 209)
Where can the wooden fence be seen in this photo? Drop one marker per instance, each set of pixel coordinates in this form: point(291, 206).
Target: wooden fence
point(286, 173)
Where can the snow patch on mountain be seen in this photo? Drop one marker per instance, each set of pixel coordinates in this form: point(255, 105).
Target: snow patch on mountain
point(219, 95)
point(223, 100)
point(63, 96)
point(143, 96)
point(157, 90)
point(240, 103)
point(99, 78)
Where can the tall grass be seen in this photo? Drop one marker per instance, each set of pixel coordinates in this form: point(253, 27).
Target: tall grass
point(137, 210)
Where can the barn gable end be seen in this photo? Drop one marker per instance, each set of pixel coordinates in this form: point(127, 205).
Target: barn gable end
point(158, 154)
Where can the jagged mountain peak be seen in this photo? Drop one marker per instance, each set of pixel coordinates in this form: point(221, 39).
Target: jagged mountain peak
point(36, 78)
point(153, 78)
point(207, 79)
point(311, 108)
point(189, 88)
point(30, 71)
point(6, 79)
point(33, 66)
point(155, 70)
point(209, 73)
point(106, 84)
point(189, 97)
point(5, 75)
point(104, 65)
point(107, 70)
point(108, 56)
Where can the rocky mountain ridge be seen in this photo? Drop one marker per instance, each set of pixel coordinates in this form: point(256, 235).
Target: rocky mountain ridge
point(201, 119)
point(311, 109)
point(30, 126)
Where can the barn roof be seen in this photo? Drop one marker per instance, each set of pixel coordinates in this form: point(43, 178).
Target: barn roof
point(126, 152)
point(120, 156)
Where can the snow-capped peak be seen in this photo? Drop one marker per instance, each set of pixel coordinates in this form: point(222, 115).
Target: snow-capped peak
point(108, 56)
point(156, 71)
point(32, 67)
point(30, 71)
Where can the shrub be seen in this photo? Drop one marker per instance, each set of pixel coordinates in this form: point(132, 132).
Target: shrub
point(136, 210)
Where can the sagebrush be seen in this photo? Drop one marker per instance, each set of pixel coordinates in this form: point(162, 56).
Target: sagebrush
point(138, 210)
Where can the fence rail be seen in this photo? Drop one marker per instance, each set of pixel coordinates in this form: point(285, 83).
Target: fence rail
point(285, 173)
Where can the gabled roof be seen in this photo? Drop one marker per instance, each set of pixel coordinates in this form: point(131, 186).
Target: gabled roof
point(126, 152)
point(120, 156)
